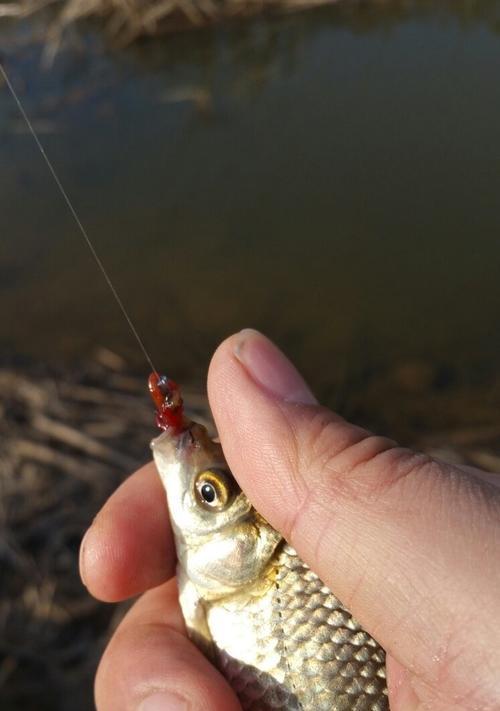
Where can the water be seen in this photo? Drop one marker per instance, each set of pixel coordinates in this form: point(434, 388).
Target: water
point(331, 178)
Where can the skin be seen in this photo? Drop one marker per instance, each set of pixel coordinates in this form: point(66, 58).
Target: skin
point(410, 544)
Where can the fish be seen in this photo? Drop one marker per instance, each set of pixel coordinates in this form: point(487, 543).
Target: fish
point(276, 632)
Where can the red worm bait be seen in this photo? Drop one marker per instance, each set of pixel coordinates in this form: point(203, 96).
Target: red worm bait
point(166, 396)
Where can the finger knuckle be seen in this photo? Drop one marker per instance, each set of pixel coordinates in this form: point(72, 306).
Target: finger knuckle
point(351, 458)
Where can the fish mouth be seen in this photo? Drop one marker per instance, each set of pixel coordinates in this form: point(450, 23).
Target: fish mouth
point(168, 436)
point(176, 438)
point(156, 441)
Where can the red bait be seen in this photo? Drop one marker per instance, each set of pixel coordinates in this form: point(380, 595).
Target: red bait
point(166, 395)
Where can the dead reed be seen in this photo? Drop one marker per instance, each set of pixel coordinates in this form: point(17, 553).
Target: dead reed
point(65, 444)
point(126, 20)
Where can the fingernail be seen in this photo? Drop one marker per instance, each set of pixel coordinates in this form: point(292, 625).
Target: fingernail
point(82, 556)
point(163, 701)
point(270, 369)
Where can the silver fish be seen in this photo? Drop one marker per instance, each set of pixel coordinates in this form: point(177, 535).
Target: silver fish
point(268, 623)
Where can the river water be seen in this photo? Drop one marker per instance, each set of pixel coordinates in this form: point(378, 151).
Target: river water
point(331, 177)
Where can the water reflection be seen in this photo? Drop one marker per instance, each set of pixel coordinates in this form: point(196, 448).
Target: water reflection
point(329, 177)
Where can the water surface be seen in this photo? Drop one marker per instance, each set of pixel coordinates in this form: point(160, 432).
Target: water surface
point(331, 178)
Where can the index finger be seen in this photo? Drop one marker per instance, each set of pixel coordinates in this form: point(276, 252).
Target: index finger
point(129, 548)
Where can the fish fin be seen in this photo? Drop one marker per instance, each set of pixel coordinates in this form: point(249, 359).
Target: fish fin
point(195, 615)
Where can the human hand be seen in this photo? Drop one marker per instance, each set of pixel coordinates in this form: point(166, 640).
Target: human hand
point(409, 544)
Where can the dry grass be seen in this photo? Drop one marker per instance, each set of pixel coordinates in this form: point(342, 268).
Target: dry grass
point(126, 20)
point(65, 444)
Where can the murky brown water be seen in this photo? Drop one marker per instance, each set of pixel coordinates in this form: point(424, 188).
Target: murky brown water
point(331, 178)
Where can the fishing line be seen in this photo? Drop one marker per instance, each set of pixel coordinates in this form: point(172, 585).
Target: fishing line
point(73, 212)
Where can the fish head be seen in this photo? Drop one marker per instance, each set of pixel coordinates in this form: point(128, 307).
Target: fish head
point(222, 543)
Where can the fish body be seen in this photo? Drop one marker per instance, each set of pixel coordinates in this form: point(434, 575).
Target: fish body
point(275, 631)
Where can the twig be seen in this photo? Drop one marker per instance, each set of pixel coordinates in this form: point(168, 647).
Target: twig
point(43, 454)
point(69, 436)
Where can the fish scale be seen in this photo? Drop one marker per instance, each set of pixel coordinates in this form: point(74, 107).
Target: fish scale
point(296, 646)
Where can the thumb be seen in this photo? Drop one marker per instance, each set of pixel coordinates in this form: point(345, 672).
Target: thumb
point(409, 544)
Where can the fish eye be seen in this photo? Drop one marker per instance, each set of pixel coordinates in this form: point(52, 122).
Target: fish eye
point(214, 489)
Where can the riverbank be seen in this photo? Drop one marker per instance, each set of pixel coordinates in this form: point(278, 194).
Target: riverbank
point(127, 21)
point(68, 437)
point(66, 442)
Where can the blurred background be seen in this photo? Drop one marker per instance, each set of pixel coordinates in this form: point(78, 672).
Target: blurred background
point(329, 176)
